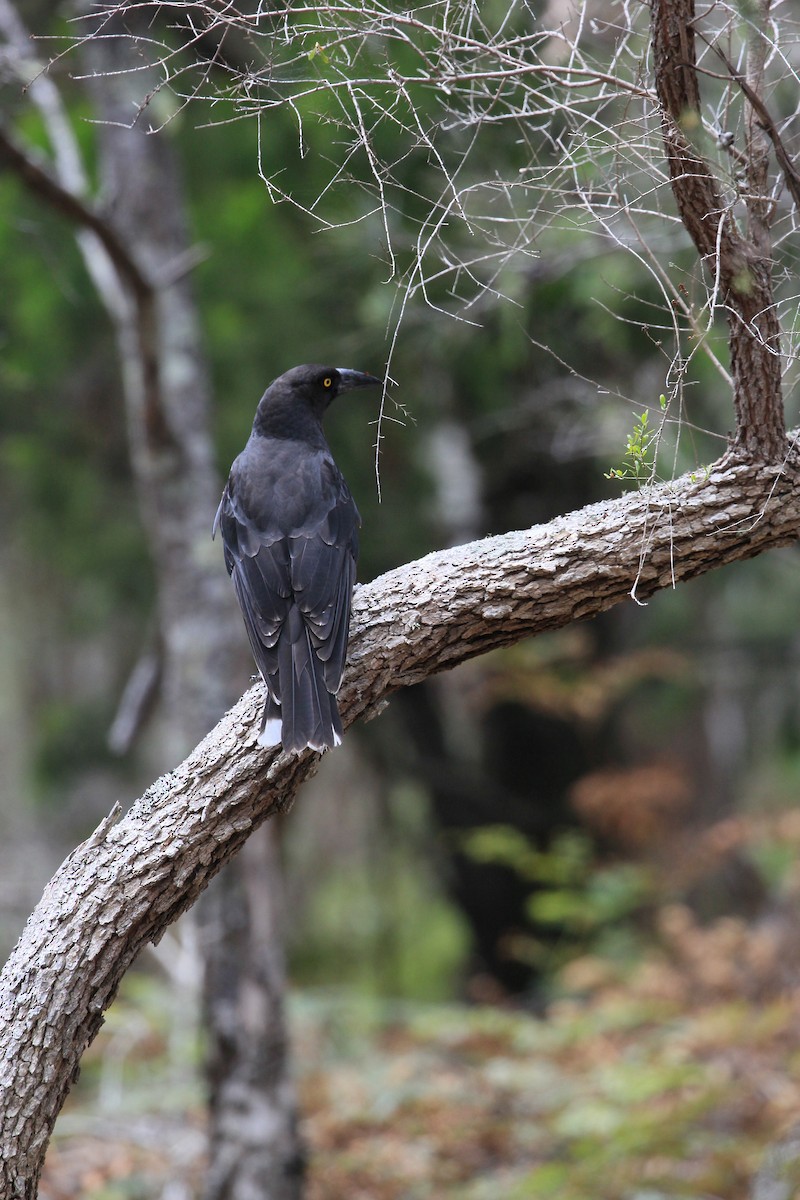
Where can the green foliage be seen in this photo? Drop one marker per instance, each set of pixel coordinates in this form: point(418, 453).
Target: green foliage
point(63, 458)
point(318, 51)
point(638, 464)
point(566, 862)
point(571, 892)
point(605, 898)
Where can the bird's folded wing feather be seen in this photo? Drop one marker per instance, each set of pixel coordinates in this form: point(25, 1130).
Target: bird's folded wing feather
point(323, 576)
point(313, 564)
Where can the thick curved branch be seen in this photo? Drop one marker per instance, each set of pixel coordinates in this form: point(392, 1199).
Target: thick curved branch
point(123, 887)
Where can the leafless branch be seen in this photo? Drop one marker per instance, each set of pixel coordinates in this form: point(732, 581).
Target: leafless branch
point(760, 119)
point(441, 83)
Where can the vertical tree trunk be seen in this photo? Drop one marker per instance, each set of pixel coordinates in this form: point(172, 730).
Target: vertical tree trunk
point(255, 1148)
point(254, 1142)
point(740, 266)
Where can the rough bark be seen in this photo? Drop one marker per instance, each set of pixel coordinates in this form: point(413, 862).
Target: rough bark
point(740, 266)
point(134, 876)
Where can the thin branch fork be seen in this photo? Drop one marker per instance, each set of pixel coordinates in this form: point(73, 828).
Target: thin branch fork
point(766, 122)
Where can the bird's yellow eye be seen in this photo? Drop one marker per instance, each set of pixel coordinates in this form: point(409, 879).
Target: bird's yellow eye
point(327, 382)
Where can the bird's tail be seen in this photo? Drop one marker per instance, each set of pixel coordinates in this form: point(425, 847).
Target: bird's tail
point(302, 712)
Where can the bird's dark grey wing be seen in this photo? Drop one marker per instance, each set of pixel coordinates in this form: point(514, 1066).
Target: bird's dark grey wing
point(323, 574)
point(294, 587)
point(260, 572)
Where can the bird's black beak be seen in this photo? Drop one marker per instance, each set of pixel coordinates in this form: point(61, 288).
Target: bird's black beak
point(355, 379)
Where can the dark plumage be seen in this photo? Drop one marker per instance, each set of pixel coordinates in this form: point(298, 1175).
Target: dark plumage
point(290, 535)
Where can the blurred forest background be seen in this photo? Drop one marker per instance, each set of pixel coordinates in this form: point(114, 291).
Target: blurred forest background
point(593, 833)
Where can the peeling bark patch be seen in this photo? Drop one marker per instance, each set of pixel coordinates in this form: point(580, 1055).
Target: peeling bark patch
point(496, 612)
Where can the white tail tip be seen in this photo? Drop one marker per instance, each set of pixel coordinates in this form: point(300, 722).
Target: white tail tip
point(271, 733)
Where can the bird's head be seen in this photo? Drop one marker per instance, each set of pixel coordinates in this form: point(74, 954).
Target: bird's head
point(306, 390)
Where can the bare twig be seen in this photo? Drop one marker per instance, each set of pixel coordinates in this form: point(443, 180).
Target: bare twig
point(750, 86)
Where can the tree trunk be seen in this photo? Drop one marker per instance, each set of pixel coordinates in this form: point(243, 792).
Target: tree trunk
point(740, 266)
point(255, 1148)
point(253, 1128)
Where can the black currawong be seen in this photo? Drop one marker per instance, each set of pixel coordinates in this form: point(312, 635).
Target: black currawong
point(290, 536)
